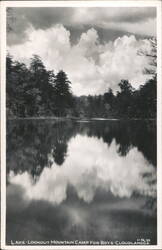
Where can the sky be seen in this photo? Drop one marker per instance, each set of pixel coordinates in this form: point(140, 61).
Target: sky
point(96, 47)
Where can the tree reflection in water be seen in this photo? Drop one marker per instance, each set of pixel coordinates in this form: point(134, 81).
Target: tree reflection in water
point(32, 143)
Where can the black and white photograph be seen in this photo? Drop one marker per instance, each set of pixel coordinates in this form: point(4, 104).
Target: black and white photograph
point(81, 125)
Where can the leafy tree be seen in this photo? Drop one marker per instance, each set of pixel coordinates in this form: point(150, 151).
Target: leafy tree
point(17, 76)
point(39, 80)
point(124, 99)
point(109, 102)
point(147, 99)
point(9, 86)
point(109, 96)
point(63, 95)
point(152, 56)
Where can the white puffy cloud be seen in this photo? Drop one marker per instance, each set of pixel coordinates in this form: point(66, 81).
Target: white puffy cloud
point(92, 67)
point(89, 168)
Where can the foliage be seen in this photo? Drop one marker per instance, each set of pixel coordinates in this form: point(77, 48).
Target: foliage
point(152, 56)
point(34, 91)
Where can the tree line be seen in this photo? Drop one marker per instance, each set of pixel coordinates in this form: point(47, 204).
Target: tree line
point(35, 91)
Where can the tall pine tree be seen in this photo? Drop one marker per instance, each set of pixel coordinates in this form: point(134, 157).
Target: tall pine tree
point(63, 95)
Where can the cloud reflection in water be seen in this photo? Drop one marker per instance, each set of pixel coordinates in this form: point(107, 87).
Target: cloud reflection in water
point(91, 165)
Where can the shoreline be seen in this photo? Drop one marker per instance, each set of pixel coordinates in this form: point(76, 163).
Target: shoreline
point(78, 118)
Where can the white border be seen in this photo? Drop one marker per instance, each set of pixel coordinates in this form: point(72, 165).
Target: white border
point(129, 3)
point(159, 124)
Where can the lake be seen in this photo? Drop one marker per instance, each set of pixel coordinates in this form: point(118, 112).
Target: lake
point(80, 180)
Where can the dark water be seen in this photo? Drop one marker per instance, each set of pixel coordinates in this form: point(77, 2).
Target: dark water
point(93, 180)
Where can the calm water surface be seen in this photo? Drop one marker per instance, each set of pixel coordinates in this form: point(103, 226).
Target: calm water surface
point(93, 180)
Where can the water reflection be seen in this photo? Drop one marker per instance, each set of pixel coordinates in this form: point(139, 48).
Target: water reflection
point(75, 172)
point(31, 143)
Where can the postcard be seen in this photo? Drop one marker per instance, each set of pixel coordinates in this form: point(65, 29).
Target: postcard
point(81, 125)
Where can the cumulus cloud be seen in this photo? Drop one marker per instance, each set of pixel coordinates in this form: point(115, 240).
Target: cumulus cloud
point(88, 169)
point(91, 66)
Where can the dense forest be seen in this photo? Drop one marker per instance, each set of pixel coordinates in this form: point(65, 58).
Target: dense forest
point(35, 91)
